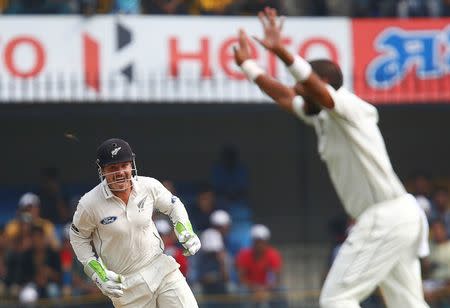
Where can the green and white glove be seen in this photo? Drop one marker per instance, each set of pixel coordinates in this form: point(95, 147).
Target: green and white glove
point(107, 281)
point(187, 238)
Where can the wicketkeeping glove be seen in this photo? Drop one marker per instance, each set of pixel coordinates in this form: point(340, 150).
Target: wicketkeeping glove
point(107, 281)
point(187, 238)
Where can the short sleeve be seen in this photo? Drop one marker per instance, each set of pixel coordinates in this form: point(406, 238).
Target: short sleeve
point(167, 203)
point(275, 260)
point(350, 107)
point(241, 260)
point(164, 198)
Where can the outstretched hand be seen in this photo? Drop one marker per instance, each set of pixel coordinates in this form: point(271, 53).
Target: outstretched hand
point(242, 51)
point(272, 25)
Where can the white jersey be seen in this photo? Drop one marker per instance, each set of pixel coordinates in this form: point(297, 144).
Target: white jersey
point(124, 236)
point(351, 145)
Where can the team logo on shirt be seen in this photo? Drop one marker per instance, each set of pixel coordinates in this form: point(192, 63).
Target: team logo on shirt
point(173, 199)
point(141, 203)
point(108, 220)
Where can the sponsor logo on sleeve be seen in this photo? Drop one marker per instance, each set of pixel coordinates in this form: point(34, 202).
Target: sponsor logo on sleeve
point(74, 228)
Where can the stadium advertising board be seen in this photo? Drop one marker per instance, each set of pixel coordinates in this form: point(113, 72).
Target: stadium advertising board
point(398, 61)
point(185, 59)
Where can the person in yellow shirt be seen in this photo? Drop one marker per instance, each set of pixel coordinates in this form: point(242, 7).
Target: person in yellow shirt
point(29, 204)
point(212, 7)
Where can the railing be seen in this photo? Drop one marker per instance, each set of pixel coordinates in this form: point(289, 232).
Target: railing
point(73, 88)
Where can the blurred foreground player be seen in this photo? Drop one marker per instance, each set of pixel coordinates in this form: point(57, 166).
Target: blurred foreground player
point(390, 233)
point(128, 264)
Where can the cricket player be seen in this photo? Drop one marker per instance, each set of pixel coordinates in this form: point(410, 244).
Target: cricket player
point(390, 232)
point(128, 264)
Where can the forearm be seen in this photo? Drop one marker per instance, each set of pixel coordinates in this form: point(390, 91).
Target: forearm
point(280, 93)
point(284, 55)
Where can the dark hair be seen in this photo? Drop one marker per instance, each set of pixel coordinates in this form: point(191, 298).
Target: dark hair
point(38, 230)
point(329, 71)
point(205, 187)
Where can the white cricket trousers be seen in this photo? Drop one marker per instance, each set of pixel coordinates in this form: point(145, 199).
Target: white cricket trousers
point(151, 288)
point(381, 250)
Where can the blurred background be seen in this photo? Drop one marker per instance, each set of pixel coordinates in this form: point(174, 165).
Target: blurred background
point(160, 74)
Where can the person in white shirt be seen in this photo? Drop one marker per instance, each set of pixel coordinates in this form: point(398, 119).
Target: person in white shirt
point(384, 246)
point(128, 264)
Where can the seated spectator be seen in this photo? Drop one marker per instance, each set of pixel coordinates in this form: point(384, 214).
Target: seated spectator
point(437, 266)
point(17, 276)
point(413, 8)
point(259, 267)
point(420, 186)
point(221, 222)
point(212, 7)
point(29, 204)
point(253, 7)
point(214, 266)
point(38, 7)
point(204, 206)
point(440, 207)
point(178, 7)
point(170, 244)
point(230, 178)
point(127, 6)
point(42, 265)
point(74, 281)
point(54, 205)
point(170, 186)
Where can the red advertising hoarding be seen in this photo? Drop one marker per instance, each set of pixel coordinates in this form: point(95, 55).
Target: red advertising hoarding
point(402, 61)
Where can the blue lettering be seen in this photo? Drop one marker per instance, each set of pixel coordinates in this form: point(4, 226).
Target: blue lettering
point(403, 51)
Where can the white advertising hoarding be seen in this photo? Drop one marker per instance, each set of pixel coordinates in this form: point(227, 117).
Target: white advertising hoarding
point(150, 58)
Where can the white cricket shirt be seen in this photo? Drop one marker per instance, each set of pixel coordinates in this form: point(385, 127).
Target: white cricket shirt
point(124, 236)
point(351, 145)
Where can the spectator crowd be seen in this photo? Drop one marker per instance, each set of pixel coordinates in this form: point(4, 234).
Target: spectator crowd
point(352, 8)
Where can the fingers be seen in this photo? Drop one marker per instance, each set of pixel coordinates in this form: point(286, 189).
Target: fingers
point(271, 15)
point(192, 246)
point(262, 19)
point(242, 38)
point(114, 285)
point(282, 19)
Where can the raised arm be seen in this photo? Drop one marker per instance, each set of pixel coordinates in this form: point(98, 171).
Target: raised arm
point(314, 88)
point(281, 94)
